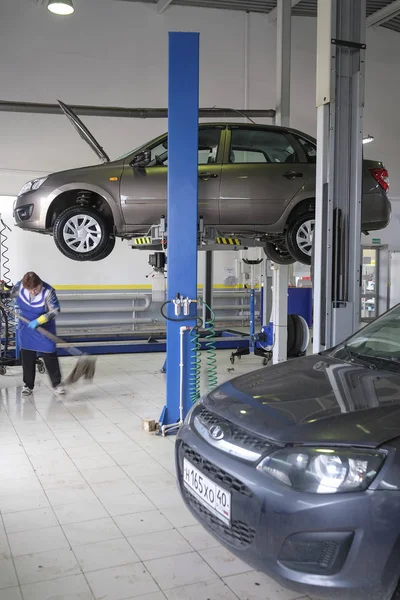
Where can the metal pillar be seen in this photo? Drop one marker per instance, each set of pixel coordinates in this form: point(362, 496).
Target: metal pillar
point(183, 116)
point(281, 272)
point(340, 102)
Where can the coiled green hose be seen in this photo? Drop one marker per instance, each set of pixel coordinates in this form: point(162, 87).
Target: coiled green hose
point(211, 354)
point(195, 365)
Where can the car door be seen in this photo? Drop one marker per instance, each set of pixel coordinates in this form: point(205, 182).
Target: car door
point(144, 190)
point(263, 169)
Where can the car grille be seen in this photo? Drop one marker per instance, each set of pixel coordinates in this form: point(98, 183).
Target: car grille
point(239, 534)
point(238, 436)
point(215, 473)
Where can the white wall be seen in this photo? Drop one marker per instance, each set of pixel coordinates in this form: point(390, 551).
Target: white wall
point(115, 53)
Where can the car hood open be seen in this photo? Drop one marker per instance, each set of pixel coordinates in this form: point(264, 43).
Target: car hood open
point(313, 400)
point(84, 132)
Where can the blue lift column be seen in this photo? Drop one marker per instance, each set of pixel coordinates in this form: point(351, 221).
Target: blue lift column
point(182, 215)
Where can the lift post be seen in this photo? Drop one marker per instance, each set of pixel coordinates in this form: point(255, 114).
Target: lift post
point(281, 272)
point(340, 102)
point(183, 117)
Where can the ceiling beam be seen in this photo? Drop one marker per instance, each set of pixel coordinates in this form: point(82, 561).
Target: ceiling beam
point(384, 14)
point(162, 5)
point(131, 113)
point(272, 15)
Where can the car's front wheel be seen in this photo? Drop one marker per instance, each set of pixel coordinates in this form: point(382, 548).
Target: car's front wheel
point(278, 253)
point(82, 234)
point(300, 237)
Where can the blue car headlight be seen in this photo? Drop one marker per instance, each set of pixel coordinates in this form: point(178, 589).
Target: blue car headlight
point(323, 470)
point(31, 186)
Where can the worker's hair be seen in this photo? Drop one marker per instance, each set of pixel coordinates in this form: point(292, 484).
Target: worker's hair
point(30, 280)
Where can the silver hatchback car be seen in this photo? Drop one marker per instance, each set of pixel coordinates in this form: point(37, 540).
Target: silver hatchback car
point(254, 180)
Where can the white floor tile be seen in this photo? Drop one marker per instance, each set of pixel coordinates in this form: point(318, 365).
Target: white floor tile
point(103, 555)
point(223, 562)
point(41, 566)
point(94, 462)
point(90, 532)
point(198, 537)
point(256, 586)
point(60, 481)
point(213, 590)
point(66, 588)
point(17, 502)
point(180, 570)
point(121, 487)
point(119, 583)
point(29, 520)
point(69, 495)
point(159, 545)
point(13, 593)
point(8, 577)
point(79, 511)
point(127, 504)
point(30, 542)
point(23, 486)
point(106, 474)
point(141, 523)
point(155, 596)
point(5, 551)
point(179, 516)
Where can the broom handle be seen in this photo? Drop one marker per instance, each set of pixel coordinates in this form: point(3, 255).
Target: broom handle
point(53, 337)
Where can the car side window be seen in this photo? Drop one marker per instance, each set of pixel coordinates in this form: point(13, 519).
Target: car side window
point(208, 148)
point(309, 148)
point(208, 145)
point(260, 146)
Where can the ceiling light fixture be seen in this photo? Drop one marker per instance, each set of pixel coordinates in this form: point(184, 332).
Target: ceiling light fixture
point(368, 139)
point(61, 7)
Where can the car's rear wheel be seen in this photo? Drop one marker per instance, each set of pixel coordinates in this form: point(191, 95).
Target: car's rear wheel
point(82, 234)
point(300, 237)
point(278, 253)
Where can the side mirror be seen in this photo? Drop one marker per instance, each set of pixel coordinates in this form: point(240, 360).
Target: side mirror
point(142, 159)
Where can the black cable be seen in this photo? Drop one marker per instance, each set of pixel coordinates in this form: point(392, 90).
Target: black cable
point(4, 317)
point(199, 320)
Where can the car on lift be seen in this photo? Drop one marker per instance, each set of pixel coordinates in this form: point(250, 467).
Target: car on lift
point(254, 181)
point(296, 468)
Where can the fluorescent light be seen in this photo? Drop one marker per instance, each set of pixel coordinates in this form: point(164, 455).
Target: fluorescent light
point(61, 7)
point(368, 139)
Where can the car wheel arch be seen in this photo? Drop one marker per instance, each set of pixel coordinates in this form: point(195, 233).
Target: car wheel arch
point(307, 205)
point(70, 196)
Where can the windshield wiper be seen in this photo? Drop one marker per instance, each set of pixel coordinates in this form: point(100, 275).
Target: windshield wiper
point(387, 359)
point(361, 359)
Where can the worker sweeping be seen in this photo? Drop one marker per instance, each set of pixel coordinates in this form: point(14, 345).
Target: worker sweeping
point(38, 306)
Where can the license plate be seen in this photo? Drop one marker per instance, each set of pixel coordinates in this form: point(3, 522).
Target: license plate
point(215, 498)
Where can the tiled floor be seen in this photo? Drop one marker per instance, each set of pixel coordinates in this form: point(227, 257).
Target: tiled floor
point(88, 502)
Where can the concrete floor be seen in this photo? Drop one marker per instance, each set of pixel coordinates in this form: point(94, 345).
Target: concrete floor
point(88, 502)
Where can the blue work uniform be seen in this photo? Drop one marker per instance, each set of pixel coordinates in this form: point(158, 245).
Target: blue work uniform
point(44, 304)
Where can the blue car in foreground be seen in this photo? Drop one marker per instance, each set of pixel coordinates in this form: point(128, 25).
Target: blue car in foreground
point(296, 468)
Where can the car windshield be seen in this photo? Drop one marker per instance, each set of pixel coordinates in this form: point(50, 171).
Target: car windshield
point(130, 152)
point(377, 346)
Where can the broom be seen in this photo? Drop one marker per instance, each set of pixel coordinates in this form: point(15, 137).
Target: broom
point(85, 365)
